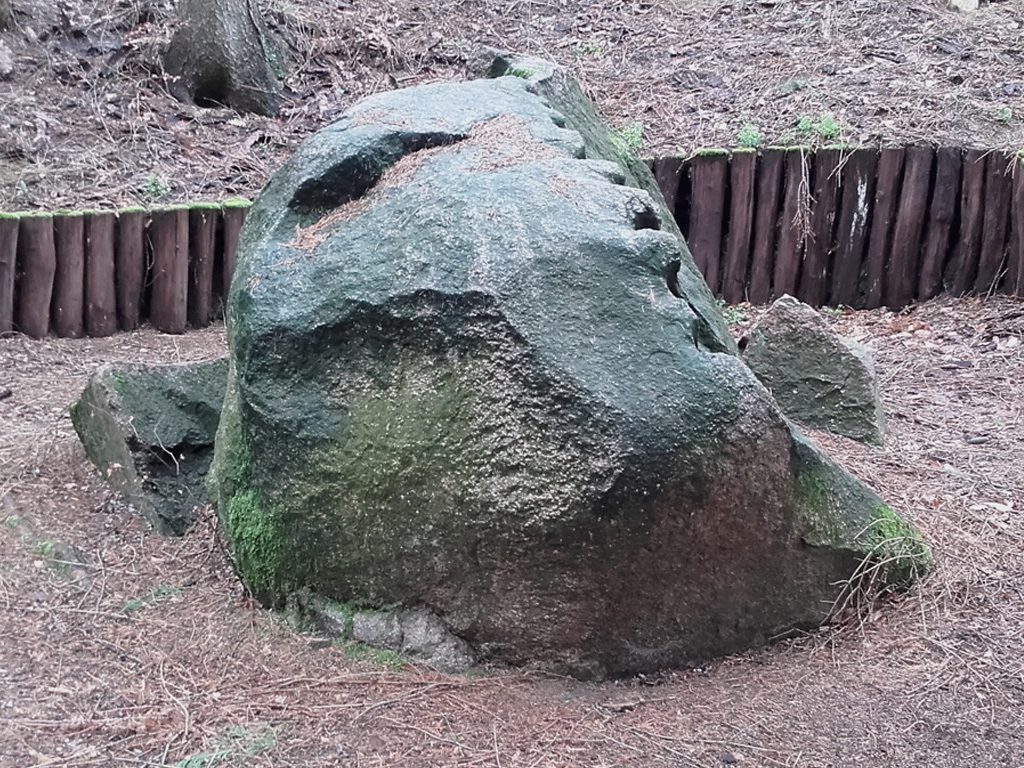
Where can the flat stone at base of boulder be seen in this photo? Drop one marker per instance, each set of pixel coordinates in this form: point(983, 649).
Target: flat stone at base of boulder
point(414, 632)
point(818, 378)
point(149, 429)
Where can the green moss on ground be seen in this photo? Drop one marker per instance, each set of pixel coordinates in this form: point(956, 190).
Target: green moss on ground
point(897, 546)
point(391, 660)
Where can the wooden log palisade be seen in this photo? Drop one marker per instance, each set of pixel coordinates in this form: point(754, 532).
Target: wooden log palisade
point(841, 226)
point(93, 273)
point(851, 226)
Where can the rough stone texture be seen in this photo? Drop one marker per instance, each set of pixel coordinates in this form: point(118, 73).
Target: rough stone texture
point(818, 378)
point(414, 632)
point(6, 61)
point(474, 369)
point(149, 429)
point(222, 54)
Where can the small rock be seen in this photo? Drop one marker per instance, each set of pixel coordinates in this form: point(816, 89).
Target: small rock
point(6, 62)
point(963, 5)
point(149, 429)
point(381, 629)
point(818, 378)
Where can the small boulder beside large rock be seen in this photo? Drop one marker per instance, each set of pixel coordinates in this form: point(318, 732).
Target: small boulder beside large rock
point(149, 429)
point(818, 378)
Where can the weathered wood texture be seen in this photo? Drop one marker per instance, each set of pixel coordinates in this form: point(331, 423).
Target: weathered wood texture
point(814, 276)
point(68, 301)
point(100, 275)
point(168, 305)
point(766, 224)
point(742, 176)
point(8, 265)
point(709, 174)
point(858, 190)
point(942, 211)
point(130, 267)
point(994, 223)
point(794, 224)
point(1015, 273)
point(963, 266)
point(36, 267)
point(233, 219)
point(905, 254)
point(202, 239)
point(668, 173)
point(887, 190)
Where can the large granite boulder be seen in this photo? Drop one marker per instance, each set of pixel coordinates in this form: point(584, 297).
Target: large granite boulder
point(149, 429)
point(817, 377)
point(475, 371)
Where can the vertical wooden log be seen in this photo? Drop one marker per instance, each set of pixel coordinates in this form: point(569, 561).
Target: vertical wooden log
point(667, 172)
point(100, 274)
point(766, 224)
point(941, 215)
point(709, 171)
point(67, 312)
point(858, 193)
point(814, 278)
point(905, 255)
point(36, 266)
point(130, 266)
point(1015, 278)
point(234, 213)
point(792, 228)
point(202, 239)
point(998, 190)
point(168, 233)
point(736, 267)
point(887, 191)
point(964, 264)
point(8, 263)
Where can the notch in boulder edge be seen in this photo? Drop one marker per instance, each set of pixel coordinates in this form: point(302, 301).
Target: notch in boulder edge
point(493, 385)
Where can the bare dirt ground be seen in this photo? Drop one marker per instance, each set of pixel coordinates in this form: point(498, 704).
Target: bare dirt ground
point(119, 647)
point(86, 120)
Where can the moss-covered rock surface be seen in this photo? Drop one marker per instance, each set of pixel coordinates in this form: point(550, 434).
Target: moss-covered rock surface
point(474, 370)
point(818, 378)
point(149, 429)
